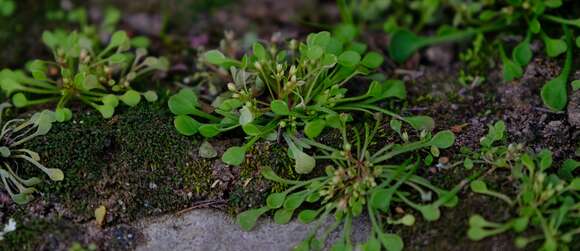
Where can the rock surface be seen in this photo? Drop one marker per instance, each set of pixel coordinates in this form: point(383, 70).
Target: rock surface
point(207, 229)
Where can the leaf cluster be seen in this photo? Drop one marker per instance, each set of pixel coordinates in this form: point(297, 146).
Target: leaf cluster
point(360, 181)
point(13, 156)
point(289, 92)
point(81, 70)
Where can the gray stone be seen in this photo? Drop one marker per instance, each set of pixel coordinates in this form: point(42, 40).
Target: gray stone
point(207, 229)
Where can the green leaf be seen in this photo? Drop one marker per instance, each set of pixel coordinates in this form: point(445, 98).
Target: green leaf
point(247, 220)
point(209, 130)
point(535, 26)
point(522, 54)
point(246, 116)
point(430, 212)
point(314, 52)
point(575, 184)
point(184, 102)
point(307, 216)
point(349, 59)
point(554, 93)
point(511, 70)
point(478, 186)
point(575, 85)
point(150, 96)
point(294, 201)
point(314, 128)
point(304, 163)
point(106, 111)
point(119, 39)
point(63, 114)
point(381, 199)
point(252, 129)
point(443, 139)
point(283, 216)
point(554, 47)
point(372, 60)
point(230, 104)
point(259, 51)
point(19, 100)
point(391, 242)
point(279, 107)
point(275, 200)
point(346, 32)
point(387, 89)
point(234, 156)
point(421, 122)
point(131, 98)
point(206, 150)
point(38, 69)
point(468, 163)
point(215, 57)
point(117, 58)
point(403, 45)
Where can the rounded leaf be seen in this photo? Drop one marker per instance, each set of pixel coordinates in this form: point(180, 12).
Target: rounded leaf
point(234, 156)
point(184, 102)
point(247, 220)
point(275, 200)
point(131, 98)
point(372, 60)
point(186, 125)
point(279, 107)
point(307, 216)
point(443, 139)
point(349, 59)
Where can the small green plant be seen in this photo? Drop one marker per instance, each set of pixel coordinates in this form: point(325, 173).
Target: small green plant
point(359, 181)
point(14, 134)
point(82, 71)
point(282, 93)
point(535, 17)
point(544, 201)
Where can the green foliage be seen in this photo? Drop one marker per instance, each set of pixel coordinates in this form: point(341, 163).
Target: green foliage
point(14, 134)
point(531, 19)
point(359, 181)
point(283, 93)
point(7, 7)
point(82, 71)
point(544, 201)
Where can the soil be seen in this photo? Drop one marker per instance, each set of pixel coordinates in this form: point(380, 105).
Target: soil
point(140, 168)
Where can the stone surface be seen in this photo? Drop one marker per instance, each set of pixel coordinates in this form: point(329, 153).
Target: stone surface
point(207, 229)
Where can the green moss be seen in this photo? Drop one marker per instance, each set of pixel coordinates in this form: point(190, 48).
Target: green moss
point(197, 177)
point(251, 189)
point(128, 164)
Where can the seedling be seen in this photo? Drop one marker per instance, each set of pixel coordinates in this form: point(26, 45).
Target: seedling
point(531, 17)
point(14, 134)
point(283, 93)
point(98, 77)
point(545, 201)
point(359, 182)
point(548, 202)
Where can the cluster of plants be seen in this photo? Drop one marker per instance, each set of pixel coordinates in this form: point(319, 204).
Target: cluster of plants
point(84, 71)
point(361, 181)
point(490, 23)
point(14, 156)
point(281, 93)
point(292, 92)
point(547, 201)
